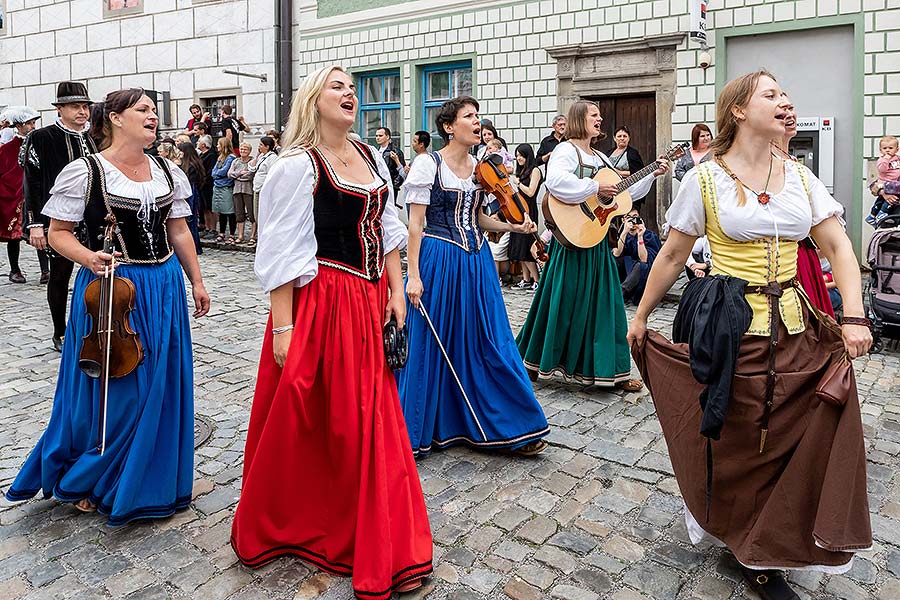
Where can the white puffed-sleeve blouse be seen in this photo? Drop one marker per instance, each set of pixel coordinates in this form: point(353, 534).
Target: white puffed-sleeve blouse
point(287, 246)
point(565, 184)
point(789, 214)
point(66, 201)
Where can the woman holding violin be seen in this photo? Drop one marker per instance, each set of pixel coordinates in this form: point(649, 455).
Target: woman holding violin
point(122, 445)
point(464, 382)
point(577, 323)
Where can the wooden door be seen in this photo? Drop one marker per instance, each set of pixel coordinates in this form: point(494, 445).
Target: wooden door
point(638, 114)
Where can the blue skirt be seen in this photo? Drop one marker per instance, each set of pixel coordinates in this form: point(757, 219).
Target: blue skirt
point(463, 299)
point(147, 469)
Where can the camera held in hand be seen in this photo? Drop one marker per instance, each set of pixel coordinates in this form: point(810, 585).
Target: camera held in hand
point(635, 220)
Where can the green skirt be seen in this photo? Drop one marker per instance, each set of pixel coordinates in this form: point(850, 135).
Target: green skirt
point(577, 324)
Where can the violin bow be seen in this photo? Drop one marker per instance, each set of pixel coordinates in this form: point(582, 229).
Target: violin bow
point(109, 274)
point(450, 364)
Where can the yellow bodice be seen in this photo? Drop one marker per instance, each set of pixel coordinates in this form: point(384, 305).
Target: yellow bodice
point(757, 261)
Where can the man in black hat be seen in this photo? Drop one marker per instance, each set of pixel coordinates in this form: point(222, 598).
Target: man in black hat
point(44, 155)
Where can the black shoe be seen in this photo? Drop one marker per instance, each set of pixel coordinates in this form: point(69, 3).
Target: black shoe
point(45, 277)
point(57, 343)
point(16, 277)
point(768, 584)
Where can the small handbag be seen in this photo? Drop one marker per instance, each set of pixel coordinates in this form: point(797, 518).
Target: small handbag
point(396, 345)
point(837, 383)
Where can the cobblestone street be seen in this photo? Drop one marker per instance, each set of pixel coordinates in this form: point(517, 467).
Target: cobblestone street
point(598, 515)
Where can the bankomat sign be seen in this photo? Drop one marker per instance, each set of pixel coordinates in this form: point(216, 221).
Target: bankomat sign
point(813, 146)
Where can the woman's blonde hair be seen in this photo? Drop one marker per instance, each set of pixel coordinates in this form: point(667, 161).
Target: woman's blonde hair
point(575, 118)
point(302, 130)
point(224, 147)
point(171, 152)
point(736, 94)
point(246, 145)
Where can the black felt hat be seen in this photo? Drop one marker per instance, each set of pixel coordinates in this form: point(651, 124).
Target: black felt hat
point(68, 92)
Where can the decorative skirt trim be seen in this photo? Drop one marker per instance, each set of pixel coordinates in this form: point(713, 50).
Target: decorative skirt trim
point(576, 377)
point(340, 569)
point(462, 439)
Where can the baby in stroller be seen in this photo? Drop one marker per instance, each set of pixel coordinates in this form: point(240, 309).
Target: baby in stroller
point(883, 257)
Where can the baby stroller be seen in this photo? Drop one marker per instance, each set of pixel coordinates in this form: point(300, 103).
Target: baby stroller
point(884, 284)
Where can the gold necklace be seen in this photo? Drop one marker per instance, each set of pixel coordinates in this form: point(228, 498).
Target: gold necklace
point(335, 154)
point(121, 164)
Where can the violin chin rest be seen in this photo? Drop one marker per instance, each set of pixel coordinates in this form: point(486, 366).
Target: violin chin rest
point(91, 368)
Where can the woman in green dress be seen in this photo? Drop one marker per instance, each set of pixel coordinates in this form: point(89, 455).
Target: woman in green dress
point(577, 323)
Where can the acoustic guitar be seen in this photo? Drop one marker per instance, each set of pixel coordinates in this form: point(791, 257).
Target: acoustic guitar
point(585, 225)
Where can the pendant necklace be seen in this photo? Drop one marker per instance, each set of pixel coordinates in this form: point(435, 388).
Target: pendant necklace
point(121, 164)
point(762, 197)
point(334, 154)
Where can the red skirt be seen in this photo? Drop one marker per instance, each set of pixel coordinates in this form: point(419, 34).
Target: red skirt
point(809, 272)
point(329, 474)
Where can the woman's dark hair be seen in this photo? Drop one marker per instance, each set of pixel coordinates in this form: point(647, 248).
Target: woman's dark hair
point(621, 128)
point(695, 134)
point(523, 172)
point(192, 165)
point(96, 117)
point(490, 127)
point(115, 102)
point(449, 109)
point(267, 142)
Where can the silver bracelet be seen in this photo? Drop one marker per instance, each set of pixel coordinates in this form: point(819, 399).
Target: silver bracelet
point(277, 330)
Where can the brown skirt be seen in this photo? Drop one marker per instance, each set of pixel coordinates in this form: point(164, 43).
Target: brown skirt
point(802, 502)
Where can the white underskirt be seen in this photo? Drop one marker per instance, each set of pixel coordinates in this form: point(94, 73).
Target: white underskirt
point(698, 534)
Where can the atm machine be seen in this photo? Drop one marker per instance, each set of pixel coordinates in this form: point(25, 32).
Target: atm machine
point(814, 147)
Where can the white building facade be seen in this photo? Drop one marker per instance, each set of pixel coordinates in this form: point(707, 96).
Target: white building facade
point(525, 60)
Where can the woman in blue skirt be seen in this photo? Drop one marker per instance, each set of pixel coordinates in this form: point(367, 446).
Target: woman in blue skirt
point(478, 392)
point(146, 469)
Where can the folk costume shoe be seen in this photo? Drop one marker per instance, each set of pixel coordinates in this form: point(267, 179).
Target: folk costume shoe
point(769, 584)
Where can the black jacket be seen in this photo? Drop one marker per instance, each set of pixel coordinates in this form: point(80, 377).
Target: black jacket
point(548, 144)
point(45, 153)
point(712, 317)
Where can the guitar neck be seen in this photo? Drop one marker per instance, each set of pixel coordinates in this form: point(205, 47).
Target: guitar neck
point(635, 177)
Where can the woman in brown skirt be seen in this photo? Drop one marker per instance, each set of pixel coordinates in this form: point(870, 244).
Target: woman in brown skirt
point(778, 476)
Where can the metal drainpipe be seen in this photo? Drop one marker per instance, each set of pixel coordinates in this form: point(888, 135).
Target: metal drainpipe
point(284, 17)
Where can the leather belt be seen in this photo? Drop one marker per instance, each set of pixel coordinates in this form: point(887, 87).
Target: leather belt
point(773, 291)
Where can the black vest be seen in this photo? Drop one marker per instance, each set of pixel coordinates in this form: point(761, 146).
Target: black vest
point(348, 219)
point(141, 241)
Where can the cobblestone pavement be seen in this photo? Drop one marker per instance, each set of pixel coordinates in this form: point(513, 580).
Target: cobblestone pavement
point(598, 515)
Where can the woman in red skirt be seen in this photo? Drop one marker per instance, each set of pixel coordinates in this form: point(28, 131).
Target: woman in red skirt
point(329, 476)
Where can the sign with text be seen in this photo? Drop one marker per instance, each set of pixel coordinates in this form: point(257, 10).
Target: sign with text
point(698, 20)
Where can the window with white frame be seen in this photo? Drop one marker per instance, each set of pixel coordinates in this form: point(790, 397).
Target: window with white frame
point(439, 84)
point(379, 104)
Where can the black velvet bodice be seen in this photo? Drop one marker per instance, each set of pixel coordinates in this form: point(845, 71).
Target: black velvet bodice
point(142, 239)
point(348, 228)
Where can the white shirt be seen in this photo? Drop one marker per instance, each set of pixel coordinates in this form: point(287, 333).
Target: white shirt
point(565, 184)
point(286, 250)
point(789, 214)
point(6, 135)
point(264, 162)
point(420, 180)
point(66, 201)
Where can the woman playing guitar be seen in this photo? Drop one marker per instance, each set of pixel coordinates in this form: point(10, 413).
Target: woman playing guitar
point(577, 323)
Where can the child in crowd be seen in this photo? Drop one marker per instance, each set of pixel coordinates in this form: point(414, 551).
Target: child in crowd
point(888, 171)
point(243, 189)
point(495, 146)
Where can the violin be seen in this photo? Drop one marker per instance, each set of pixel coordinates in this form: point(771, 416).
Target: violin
point(491, 173)
point(111, 349)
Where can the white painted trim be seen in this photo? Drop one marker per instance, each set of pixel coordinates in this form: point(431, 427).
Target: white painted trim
point(311, 24)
